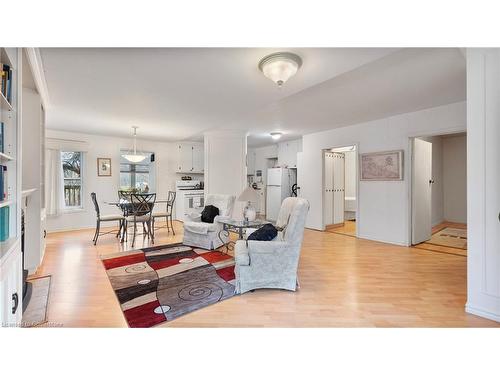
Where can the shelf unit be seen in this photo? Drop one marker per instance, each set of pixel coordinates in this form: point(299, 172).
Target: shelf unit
point(4, 103)
point(10, 248)
point(6, 203)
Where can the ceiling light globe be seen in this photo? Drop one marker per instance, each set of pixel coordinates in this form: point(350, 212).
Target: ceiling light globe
point(276, 135)
point(280, 67)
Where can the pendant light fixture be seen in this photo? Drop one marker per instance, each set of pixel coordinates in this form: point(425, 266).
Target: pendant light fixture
point(280, 66)
point(134, 158)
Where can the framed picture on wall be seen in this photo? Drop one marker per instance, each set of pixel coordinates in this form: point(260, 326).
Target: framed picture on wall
point(104, 167)
point(382, 166)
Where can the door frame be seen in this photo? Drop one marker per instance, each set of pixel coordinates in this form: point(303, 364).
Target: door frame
point(409, 163)
point(356, 153)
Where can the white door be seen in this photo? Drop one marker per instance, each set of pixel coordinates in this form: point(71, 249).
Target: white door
point(421, 191)
point(338, 188)
point(328, 189)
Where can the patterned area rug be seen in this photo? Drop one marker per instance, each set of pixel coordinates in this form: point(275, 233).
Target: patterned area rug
point(451, 237)
point(158, 284)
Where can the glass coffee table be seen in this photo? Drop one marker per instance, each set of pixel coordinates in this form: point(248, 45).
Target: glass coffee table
point(238, 227)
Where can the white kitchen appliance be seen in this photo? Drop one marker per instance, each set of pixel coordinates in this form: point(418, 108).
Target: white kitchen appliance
point(278, 187)
point(189, 198)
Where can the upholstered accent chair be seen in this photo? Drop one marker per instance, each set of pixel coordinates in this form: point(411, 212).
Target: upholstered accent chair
point(207, 235)
point(273, 264)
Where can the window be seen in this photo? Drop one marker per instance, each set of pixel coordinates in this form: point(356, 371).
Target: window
point(137, 177)
point(72, 178)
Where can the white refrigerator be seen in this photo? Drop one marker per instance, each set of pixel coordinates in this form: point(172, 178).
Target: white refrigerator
point(278, 187)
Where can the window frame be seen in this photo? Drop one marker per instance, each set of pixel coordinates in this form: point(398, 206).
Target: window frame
point(132, 172)
point(80, 207)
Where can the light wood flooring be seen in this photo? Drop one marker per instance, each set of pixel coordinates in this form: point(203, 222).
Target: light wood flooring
point(444, 249)
point(348, 229)
point(345, 282)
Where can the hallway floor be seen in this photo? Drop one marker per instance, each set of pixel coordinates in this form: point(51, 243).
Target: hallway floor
point(348, 229)
point(428, 245)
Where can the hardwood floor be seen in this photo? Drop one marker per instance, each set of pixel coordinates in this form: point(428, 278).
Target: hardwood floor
point(345, 282)
point(444, 249)
point(348, 229)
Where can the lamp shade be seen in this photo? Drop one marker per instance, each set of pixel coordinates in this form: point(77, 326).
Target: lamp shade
point(248, 195)
point(134, 158)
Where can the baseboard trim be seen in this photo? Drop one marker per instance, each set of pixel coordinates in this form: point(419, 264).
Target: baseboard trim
point(103, 225)
point(482, 313)
point(382, 240)
point(333, 226)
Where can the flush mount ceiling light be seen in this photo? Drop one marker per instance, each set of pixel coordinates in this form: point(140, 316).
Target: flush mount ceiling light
point(276, 135)
point(280, 66)
point(135, 157)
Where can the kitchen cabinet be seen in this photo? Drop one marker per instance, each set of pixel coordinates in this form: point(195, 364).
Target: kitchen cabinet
point(287, 153)
point(190, 158)
point(198, 158)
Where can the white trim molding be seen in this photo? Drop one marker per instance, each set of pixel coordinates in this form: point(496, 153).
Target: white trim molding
point(482, 313)
point(483, 182)
point(36, 66)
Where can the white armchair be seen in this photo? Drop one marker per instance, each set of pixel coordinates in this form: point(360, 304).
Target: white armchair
point(273, 264)
point(206, 235)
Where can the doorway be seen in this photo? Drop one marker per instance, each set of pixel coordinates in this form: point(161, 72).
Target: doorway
point(340, 176)
point(439, 193)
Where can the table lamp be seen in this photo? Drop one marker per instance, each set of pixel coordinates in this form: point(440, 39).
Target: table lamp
point(249, 195)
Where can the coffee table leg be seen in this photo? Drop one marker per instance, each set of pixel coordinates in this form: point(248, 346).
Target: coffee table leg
point(224, 230)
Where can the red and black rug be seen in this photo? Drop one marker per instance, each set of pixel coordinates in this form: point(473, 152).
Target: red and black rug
point(158, 284)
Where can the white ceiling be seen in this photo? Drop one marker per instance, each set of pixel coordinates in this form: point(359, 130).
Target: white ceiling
point(176, 94)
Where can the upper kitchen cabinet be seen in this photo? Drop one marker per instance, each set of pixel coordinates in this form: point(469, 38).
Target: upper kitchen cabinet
point(287, 153)
point(190, 158)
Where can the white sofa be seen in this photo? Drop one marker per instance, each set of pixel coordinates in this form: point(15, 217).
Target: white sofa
point(206, 235)
point(273, 264)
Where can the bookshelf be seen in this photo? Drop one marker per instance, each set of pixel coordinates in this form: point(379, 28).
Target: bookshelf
point(10, 202)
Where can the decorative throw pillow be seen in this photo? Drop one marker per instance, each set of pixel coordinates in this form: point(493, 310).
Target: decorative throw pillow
point(265, 233)
point(209, 213)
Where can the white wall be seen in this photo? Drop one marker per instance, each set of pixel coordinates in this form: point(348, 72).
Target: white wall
point(383, 205)
point(106, 188)
point(483, 182)
point(225, 164)
point(455, 178)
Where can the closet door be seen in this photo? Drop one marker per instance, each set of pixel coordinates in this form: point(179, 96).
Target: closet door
point(338, 187)
point(328, 189)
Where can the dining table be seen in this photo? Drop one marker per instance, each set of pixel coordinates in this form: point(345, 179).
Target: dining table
point(125, 205)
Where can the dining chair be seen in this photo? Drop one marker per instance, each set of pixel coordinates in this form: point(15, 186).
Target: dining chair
point(105, 218)
point(166, 214)
point(141, 208)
